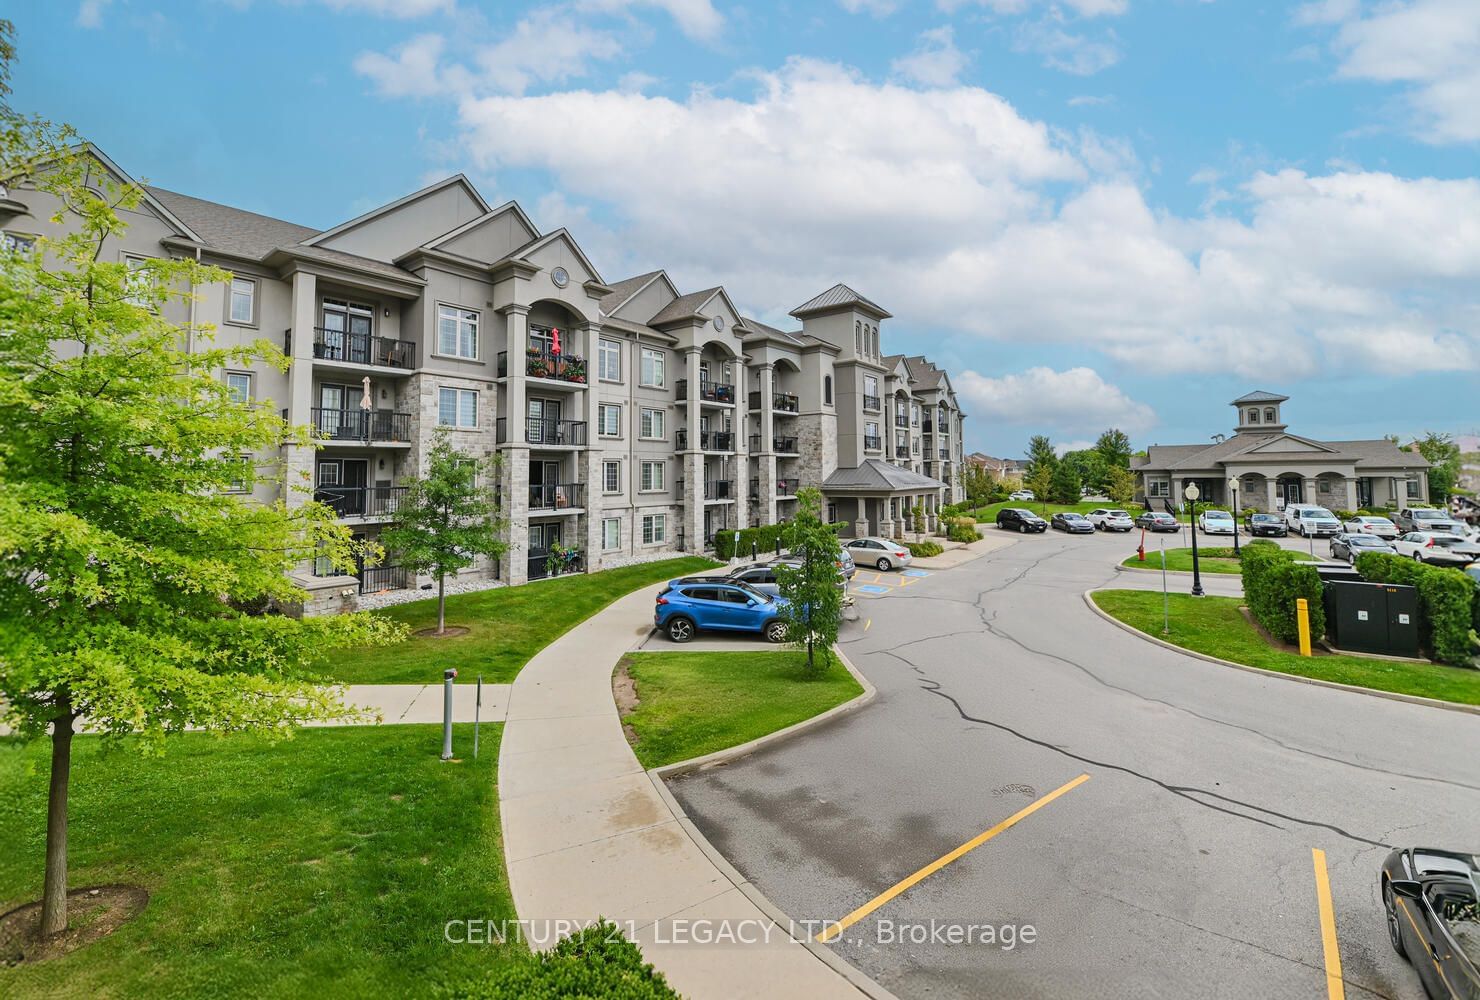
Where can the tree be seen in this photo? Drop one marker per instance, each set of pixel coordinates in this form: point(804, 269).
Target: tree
point(126, 567)
point(1040, 456)
point(1114, 448)
point(1064, 484)
point(1120, 485)
point(1089, 466)
point(1445, 464)
point(814, 609)
point(447, 519)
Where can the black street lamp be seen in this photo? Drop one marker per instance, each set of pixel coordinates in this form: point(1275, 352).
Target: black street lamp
point(1233, 491)
point(1192, 493)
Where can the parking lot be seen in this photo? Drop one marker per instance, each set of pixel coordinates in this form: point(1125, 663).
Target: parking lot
point(871, 583)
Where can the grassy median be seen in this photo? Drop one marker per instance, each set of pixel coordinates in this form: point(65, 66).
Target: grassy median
point(505, 626)
point(323, 865)
point(691, 704)
point(1210, 560)
point(1215, 626)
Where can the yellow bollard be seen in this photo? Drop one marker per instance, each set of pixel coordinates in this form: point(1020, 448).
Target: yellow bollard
point(1302, 617)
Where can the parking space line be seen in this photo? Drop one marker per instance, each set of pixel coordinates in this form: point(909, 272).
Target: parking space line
point(834, 929)
point(867, 622)
point(1335, 986)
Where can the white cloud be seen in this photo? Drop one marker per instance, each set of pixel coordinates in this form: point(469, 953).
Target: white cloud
point(1090, 100)
point(1326, 11)
point(405, 9)
point(411, 72)
point(1083, 8)
point(878, 8)
point(935, 62)
point(1065, 50)
point(1077, 400)
point(1430, 46)
point(90, 13)
point(695, 18)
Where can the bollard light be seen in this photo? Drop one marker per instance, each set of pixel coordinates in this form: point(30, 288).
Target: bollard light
point(448, 676)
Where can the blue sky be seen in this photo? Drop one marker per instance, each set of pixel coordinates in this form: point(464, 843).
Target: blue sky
point(1094, 212)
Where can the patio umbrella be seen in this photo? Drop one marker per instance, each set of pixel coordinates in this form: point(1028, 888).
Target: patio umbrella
point(365, 403)
point(554, 341)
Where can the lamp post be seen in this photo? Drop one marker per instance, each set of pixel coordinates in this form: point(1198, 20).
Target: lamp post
point(1233, 492)
point(1192, 493)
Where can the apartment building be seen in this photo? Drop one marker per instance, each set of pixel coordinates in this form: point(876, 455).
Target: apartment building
point(629, 420)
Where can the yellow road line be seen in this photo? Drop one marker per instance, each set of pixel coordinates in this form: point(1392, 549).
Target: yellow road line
point(867, 622)
point(834, 929)
point(1335, 987)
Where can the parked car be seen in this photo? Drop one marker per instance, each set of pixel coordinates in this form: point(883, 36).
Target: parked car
point(1369, 524)
point(1075, 524)
point(1020, 519)
point(844, 561)
point(1437, 547)
point(1217, 522)
point(1424, 519)
point(1350, 544)
point(1309, 521)
point(881, 553)
point(1110, 519)
point(691, 605)
point(1433, 917)
point(1021, 495)
point(1158, 520)
point(1266, 526)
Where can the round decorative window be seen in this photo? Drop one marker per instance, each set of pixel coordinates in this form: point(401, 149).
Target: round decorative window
point(560, 276)
point(719, 322)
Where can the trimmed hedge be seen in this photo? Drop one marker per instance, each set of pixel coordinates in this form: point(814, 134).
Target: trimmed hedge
point(923, 550)
point(730, 543)
point(1448, 602)
point(597, 962)
point(1273, 581)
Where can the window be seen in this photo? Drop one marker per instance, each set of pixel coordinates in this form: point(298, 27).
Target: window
point(609, 420)
point(243, 301)
point(654, 528)
point(241, 485)
point(18, 243)
point(1253, 416)
point(827, 390)
point(651, 423)
point(857, 337)
point(457, 332)
point(611, 533)
point(138, 280)
point(609, 361)
point(1413, 490)
point(871, 385)
point(652, 368)
point(1269, 416)
point(1159, 488)
point(239, 386)
point(651, 478)
point(611, 477)
point(457, 407)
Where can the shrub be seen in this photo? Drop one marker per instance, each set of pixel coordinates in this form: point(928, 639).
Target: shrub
point(961, 529)
point(923, 550)
point(1448, 602)
point(1344, 515)
point(729, 543)
point(1273, 581)
point(597, 962)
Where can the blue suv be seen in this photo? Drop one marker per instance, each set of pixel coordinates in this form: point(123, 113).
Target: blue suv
point(690, 605)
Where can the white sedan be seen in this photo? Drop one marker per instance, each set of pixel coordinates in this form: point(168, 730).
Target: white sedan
point(1110, 519)
point(1021, 495)
point(1216, 522)
point(1440, 548)
point(881, 553)
point(1364, 524)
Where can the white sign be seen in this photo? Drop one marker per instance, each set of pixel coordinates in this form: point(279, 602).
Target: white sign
point(1402, 619)
point(1361, 616)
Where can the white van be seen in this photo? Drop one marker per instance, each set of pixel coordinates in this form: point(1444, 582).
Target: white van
point(1308, 520)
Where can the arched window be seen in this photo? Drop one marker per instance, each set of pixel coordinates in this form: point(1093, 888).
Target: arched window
point(873, 340)
point(1253, 416)
point(1269, 416)
point(827, 389)
point(857, 337)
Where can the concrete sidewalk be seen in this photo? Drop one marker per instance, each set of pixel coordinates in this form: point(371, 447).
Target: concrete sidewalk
point(587, 835)
point(406, 703)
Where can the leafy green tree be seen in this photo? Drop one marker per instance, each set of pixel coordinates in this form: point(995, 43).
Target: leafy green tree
point(1445, 464)
point(1041, 455)
point(1120, 485)
point(1064, 484)
point(1089, 466)
point(126, 567)
point(447, 519)
point(1114, 448)
point(814, 611)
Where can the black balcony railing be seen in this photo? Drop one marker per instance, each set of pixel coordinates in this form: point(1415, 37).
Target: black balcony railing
point(374, 579)
point(361, 501)
point(708, 440)
point(556, 496)
point(782, 402)
point(358, 348)
point(717, 489)
point(361, 425)
point(929, 427)
point(872, 443)
point(945, 453)
point(901, 420)
point(565, 561)
point(545, 433)
point(787, 487)
point(784, 445)
point(871, 403)
point(713, 392)
point(545, 364)
point(901, 451)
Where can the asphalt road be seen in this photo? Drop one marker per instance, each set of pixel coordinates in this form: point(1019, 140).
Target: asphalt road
point(1181, 868)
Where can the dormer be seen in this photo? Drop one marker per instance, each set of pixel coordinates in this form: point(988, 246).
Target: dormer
point(847, 320)
point(1259, 413)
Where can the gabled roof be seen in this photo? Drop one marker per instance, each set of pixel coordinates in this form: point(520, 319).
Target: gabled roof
point(232, 230)
point(756, 326)
point(877, 476)
point(492, 213)
point(1368, 454)
point(1260, 396)
point(392, 206)
point(623, 291)
point(687, 306)
point(148, 194)
point(536, 244)
point(837, 297)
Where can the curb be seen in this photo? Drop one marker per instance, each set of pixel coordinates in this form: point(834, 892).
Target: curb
point(657, 776)
point(1121, 568)
point(1411, 699)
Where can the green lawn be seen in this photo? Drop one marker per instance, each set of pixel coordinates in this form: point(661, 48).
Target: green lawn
point(325, 865)
point(1210, 560)
point(507, 626)
point(692, 704)
point(1214, 625)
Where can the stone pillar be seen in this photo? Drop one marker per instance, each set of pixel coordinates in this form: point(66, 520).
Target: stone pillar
point(298, 471)
point(588, 458)
point(516, 511)
point(1310, 494)
point(516, 343)
point(1274, 495)
point(693, 459)
point(1352, 502)
point(740, 473)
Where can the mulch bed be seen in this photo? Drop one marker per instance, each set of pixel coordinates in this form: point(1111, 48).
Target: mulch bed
point(92, 914)
point(453, 631)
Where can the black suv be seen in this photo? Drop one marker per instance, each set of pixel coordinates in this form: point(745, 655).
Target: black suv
point(1020, 519)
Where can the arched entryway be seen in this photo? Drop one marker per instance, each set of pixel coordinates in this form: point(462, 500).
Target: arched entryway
point(1290, 488)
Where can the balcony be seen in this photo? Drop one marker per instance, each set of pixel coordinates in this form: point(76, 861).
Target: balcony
point(779, 444)
point(945, 453)
point(709, 392)
point(362, 426)
point(556, 496)
point(901, 451)
point(375, 579)
point(781, 402)
point(568, 368)
point(708, 440)
point(945, 427)
point(545, 433)
point(873, 443)
point(872, 403)
point(357, 348)
point(361, 501)
point(901, 420)
point(929, 427)
point(717, 489)
point(541, 563)
point(784, 488)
